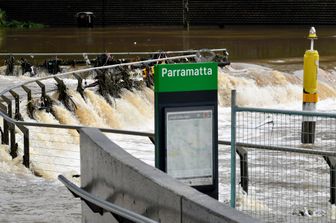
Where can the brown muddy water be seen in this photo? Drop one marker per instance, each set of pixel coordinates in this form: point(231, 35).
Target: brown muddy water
point(243, 42)
point(26, 198)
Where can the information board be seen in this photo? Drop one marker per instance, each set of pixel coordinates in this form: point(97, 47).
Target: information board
point(189, 144)
point(186, 123)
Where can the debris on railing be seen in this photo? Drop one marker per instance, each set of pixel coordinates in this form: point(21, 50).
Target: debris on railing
point(63, 96)
point(53, 64)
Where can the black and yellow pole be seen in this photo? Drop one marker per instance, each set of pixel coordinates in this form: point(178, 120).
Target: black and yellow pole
point(310, 96)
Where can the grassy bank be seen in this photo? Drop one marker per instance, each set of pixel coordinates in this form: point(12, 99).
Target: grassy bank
point(17, 24)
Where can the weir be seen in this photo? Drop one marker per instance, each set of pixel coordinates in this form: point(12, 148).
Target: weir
point(249, 150)
point(226, 215)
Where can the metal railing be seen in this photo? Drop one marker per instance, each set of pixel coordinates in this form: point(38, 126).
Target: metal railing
point(41, 63)
point(13, 97)
point(11, 101)
point(100, 206)
point(16, 93)
point(254, 131)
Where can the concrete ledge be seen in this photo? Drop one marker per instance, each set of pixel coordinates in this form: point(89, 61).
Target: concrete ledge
point(110, 173)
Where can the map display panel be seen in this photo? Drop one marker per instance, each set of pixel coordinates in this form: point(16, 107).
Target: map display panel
point(189, 144)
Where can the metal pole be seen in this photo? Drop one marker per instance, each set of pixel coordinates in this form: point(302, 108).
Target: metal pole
point(243, 168)
point(6, 123)
point(13, 144)
point(332, 165)
point(28, 91)
point(26, 155)
point(17, 114)
point(3, 109)
point(80, 88)
point(42, 86)
point(233, 149)
point(310, 96)
point(5, 137)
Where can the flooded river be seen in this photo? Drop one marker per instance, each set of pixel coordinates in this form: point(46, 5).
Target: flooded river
point(280, 48)
point(243, 42)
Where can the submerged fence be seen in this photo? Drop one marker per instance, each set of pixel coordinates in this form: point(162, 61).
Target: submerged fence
point(279, 178)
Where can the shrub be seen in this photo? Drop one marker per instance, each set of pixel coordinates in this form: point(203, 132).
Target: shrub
point(17, 24)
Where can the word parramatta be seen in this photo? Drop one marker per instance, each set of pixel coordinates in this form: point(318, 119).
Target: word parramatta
point(201, 71)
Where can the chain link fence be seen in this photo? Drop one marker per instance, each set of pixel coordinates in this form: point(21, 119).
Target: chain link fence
point(279, 178)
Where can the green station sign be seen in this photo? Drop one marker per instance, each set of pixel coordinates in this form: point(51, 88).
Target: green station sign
point(185, 77)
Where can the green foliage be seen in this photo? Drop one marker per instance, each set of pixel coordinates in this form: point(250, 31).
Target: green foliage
point(17, 24)
point(2, 18)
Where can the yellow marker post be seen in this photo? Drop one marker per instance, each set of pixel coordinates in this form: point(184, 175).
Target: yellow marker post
point(310, 96)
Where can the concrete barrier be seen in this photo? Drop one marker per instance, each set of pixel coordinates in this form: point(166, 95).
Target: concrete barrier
point(112, 174)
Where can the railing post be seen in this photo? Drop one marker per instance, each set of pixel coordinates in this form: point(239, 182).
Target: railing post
point(80, 88)
point(17, 114)
point(3, 109)
point(28, 91)
point(233, 149)
point(26, 155)
point(13, 144)
point(332, 165)
point(42, 86)
point(243, 168)
point(5, 138)
point(59, 81)
point(80, 83)
point(11, 127)
point(6, 125)
point(29, 105)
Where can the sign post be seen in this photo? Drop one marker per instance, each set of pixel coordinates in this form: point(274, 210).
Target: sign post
point(186, 117)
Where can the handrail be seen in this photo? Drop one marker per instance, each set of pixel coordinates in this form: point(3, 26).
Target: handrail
point(286, 112)
point(105, 205)
point(152, 135)
point(9, 123)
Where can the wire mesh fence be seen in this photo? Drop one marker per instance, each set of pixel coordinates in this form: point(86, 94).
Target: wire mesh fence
point(281, 177)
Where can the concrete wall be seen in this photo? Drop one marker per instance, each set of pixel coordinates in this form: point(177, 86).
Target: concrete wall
point(112, 174)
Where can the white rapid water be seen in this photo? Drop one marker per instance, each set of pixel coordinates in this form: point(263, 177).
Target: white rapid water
point(56, 151)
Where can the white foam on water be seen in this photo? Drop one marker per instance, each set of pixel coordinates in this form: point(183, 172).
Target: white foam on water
point(86, 112)
point(249, 203)
point(333, 212)
point(104, 109)
point(57, 151)
point(256, 86)
point(9, 165)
